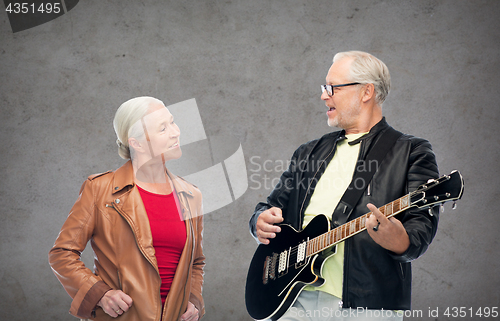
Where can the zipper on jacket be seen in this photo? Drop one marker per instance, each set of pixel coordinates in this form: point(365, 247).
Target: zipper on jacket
point(193, 238)
point(119, 280)
point(136, 241)
point(142, 251)
point(401, 269)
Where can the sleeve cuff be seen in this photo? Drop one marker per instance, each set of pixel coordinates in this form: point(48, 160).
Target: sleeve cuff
point(91, 299)
point(198, 304)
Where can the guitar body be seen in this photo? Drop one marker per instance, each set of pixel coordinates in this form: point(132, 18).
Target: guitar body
point(270, 297)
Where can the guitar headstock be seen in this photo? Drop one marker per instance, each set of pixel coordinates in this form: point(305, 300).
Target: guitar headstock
point(439, 191)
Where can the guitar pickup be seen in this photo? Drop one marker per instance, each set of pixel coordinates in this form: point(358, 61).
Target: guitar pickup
point(283, 263)
point(301, 254)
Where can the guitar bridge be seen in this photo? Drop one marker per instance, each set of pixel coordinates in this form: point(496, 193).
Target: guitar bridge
point(265, 277)
point(270, 268)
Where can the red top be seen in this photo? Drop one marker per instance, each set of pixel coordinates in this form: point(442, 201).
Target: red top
point(169, 234)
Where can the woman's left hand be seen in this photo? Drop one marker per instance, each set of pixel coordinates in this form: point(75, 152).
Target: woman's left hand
point(191, 313)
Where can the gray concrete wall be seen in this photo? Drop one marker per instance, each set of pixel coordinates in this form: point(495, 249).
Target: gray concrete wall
point(254, 68)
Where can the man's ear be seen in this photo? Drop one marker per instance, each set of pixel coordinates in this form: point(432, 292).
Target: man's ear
point(368, 92)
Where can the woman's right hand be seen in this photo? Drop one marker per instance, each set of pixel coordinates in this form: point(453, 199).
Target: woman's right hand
point(115, 303)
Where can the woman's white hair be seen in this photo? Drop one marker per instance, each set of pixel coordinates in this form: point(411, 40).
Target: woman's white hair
point(367, 69)
point(127, 122)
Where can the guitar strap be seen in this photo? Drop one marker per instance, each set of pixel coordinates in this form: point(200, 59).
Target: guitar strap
point(362, 178)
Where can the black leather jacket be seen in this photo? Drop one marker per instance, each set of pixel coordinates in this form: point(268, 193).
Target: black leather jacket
point(374, 277)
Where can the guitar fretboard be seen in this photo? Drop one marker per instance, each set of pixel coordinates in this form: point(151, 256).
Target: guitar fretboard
point(353, 227)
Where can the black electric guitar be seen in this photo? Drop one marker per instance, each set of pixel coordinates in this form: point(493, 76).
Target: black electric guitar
point(280, 270)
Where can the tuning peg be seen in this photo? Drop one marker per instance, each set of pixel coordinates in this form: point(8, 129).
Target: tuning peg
point(430, 211)
point(441, 208)
point(454, 206)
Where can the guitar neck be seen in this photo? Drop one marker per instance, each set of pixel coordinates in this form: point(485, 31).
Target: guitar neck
point(354, 227)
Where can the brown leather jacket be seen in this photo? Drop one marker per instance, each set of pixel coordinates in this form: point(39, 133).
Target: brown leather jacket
point(109, 212)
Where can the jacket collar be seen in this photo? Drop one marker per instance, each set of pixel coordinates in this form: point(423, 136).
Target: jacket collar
point(124, 176)
point(382, 124)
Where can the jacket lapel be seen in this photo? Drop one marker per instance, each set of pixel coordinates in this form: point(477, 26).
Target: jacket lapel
point(129, 204)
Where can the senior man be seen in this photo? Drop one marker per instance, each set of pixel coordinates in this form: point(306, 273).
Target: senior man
point(369, 276)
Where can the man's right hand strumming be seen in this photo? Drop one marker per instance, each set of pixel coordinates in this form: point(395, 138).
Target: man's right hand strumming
point(265, 224)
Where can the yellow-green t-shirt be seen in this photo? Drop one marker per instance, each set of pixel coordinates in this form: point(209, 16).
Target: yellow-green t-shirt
point(327, 193)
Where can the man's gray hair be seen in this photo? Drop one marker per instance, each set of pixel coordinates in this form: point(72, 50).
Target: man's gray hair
point(367, 69)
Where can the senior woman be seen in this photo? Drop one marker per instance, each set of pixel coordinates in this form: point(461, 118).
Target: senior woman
point(144, 225)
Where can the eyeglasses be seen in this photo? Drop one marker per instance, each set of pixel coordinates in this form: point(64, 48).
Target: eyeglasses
point(329, 88)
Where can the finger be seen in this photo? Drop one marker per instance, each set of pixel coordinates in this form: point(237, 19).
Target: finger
point(265, 227)
point(111, 312)
point(271, 219)
point(375, 211)
point(126, 302)
point(188, 317)
point(193, 317)
point(263, 240)
point(265, 230)
point(122, 307)
point(276, 218)
point(268, 228)
point(372, 220)
point(265, 223)
point(395, 221)
point(120, 302)
point(119, 308)
point(190, 314)
point(266, 235)
point(277, 213)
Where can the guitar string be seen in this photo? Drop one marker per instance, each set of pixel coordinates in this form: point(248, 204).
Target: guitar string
point(345, 229)
point(358, 225)
point(342, 230)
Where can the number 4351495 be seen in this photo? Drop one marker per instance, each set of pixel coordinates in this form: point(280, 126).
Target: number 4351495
point(463, 312)
point(25, 7)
